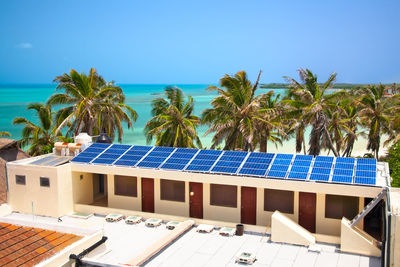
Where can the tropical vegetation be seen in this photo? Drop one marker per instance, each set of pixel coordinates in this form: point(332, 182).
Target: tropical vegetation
point(173, 123)
point(39, 137)
point(5, 134)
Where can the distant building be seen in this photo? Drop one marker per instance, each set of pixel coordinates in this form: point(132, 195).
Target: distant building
point(9, 151)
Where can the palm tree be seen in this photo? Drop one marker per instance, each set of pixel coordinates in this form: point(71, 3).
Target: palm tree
point(269, 125)
point(7, 134)
point(310, 102)
point(93, 105)
point(173, 123)
point(233, 112)
point(376, 112)
point(39, 136)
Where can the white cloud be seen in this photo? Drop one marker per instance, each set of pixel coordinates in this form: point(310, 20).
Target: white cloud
point(24, 45)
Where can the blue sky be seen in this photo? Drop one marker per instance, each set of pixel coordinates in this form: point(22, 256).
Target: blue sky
point(199, 41)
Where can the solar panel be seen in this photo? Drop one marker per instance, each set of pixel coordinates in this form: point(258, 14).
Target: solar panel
point(100, 145)
point(298, 175)
point(132, 156)
point(302, 163)
point(299, 169)
point(204, 160)
point(103, 161)
point(251, 171)
point(82, 159)
point(366, 174)
point(342, 179)
point(343, 172)
point(324, 158)
point(284, 156)
point(366, 161)
point(282, 162)
point(155, 157)
point(281, 168)
point(276, 174)
point(345, 160)
point(323, 164)
point(319, 177)
point(262, 155)
point(229, 162)
point(179, 159)
point(364, 181)
point(42, 160)
point(321, 170)
point(304, 157)
point(366, 167)
point(344, 166)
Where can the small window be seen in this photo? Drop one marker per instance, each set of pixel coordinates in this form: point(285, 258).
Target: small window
point(337, 207)
point(223, 195)
point(172, 190)
point(20, 179)
point(125, 186)
point(44, 181)
point(280, 200)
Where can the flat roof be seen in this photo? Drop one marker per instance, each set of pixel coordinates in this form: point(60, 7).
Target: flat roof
point(125, 242)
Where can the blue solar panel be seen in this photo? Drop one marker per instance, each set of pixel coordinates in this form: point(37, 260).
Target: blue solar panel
point(154, 159)
point(88, 155)
point(99, 145)
point(284, 156)
point(366, 167)
point(343, 172)
point(251, 171)
point(345, 160)
point(324, 158)
point(299, 169)
point(262, 155)
point(321, 171)
point(173, 166)
point(159, 154)
point(131, 157)
point(319, 177)
point(342, 179)
point(210, 152)
point(223, 169)
point(298, 175)
point(276, 174)
point(344, 166)
point(163, 149)
point(323, 164)
point(202, 162)
point(229, 162)
point(282, 168)
point(251, 165)
point(148, 164)
point(366, 174)
point(259, 160)
point(282, 162)
point(365, 181)
point(141, 148)
point(93, 150)
point(109, 156)
point(82, 159)
point(304, 157)
point(302, 163)
point(366, 161)
point(103, 161)
point(122, 162)
point(181, 150)
point(200, 168)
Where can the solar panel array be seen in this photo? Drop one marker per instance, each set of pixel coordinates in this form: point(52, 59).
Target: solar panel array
point(278, 166)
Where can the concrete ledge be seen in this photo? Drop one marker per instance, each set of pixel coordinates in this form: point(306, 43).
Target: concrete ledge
point(160, 244)
point(285, 230)
point(355, 240)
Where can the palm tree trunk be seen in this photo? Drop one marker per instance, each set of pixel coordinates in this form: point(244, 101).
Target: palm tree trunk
point(330, 142)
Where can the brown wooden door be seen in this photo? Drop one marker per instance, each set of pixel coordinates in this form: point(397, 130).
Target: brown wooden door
point(307, 209)
point(147, 195)
point(196, 200)
point(249, 205)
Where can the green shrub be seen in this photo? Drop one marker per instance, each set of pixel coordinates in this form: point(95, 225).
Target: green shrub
point(394, 164)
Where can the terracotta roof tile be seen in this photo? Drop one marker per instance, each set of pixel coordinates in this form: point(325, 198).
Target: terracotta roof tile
point(29, 246)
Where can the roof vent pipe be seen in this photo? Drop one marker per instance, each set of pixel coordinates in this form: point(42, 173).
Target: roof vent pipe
point(103, 138)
